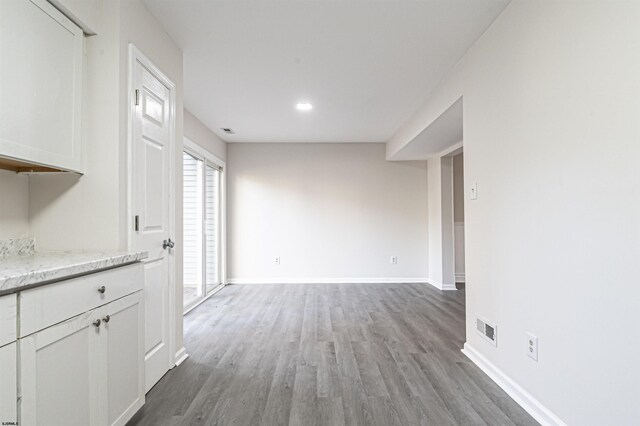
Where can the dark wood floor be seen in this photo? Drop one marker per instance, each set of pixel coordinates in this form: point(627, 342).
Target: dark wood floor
point(330, 354)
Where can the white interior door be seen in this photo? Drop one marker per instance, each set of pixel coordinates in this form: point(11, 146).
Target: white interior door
point(153, 122)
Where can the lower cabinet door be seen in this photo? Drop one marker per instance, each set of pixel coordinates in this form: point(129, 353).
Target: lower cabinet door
point(123, 340)
point(8, 385)
point(60, 374)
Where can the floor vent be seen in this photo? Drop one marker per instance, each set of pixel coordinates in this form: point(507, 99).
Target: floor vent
point(488, 331)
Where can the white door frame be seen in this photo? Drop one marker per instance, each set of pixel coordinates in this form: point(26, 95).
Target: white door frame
point(135, 55)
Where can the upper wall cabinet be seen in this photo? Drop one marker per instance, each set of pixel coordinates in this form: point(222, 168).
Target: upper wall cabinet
point(41, 55)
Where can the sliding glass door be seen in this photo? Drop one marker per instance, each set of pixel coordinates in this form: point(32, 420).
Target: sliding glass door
point(201, 227)
point(212, 227)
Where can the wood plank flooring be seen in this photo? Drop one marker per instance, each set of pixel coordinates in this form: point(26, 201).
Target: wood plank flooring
point(328, 354)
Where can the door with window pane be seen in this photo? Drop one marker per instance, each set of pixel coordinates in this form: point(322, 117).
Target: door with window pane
point(201, 228)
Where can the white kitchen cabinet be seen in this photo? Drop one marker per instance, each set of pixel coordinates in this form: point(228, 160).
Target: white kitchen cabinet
point(8, 384)
point(41, 63)
point(88, 370)
point(122, 337)
point(59, 374)
point(8, 361)
point(8, 319)
point(85, 13)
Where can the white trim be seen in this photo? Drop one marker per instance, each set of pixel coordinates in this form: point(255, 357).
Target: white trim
point(193, 146)
point(410, 280)
point(181, 356)
point(135, 55)
point(441, 286)
point(531, 405)
point(460, 278)
point(451, 151)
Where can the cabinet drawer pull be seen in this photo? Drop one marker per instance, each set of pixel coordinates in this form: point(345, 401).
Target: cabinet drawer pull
point(106, 319)
point(97, 323)
point(102, 289)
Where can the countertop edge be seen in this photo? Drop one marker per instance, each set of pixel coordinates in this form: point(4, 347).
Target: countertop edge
point(74, 269)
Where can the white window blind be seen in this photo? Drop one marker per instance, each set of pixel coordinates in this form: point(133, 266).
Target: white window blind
point(192, 227)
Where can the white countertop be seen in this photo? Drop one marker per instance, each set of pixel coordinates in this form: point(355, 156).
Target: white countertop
point(27, 270)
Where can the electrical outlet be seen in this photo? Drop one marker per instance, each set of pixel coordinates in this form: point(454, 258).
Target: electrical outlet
point(532, 346)
point(394, 260)
point(276, 260)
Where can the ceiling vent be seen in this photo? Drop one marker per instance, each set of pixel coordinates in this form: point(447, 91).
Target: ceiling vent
point(227, 130)
point(488, 331)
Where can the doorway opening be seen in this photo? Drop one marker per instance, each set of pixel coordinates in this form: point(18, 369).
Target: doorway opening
point(451, 227)
point(458, 219)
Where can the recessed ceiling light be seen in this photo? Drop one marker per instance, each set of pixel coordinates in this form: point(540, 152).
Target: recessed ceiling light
point(304, 106)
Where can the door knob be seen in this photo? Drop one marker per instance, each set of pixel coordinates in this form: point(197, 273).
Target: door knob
point(106, 319)
point(97, 323)
point(102, 289)
point(168, 243)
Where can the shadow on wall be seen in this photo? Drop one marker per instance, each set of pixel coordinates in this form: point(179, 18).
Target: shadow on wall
point(56, 186)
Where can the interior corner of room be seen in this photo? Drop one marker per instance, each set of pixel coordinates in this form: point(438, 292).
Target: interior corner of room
point(267, 212)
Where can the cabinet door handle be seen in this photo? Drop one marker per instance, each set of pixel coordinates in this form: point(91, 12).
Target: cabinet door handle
point(106, 319)
point(102, 289)
point(97, 323)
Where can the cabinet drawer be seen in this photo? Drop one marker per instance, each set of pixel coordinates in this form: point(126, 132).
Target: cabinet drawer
point(44, 306)
point(8, 318)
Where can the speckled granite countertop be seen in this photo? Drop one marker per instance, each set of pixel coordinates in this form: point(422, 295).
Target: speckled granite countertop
point(27, 270)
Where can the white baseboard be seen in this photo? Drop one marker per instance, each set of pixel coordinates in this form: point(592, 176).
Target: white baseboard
point(460, 278)
point(441, 286)
point(410, 280)
point(181, 355)
point(531, 405)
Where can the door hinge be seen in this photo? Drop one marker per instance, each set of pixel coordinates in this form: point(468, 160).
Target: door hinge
point(136, 223)
point(137, 96)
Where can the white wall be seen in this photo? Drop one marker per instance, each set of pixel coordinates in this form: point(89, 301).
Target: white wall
point(14, 205)
point(197, 132)
point(551, 107)
point(329, 211)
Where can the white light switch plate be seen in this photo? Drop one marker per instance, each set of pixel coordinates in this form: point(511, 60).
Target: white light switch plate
point(473, 191)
